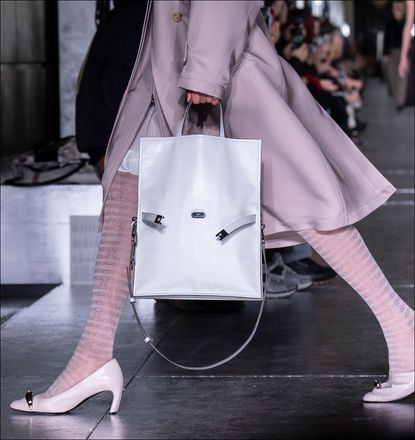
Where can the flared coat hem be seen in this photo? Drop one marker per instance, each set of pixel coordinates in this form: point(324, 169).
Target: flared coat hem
point(289, 236)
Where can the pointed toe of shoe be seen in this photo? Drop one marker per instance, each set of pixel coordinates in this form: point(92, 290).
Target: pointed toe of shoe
point(397, 387)
point(20, 404)
point(372, 397)
point(58, 404)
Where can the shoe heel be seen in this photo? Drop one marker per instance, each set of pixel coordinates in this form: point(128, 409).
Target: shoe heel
point(116, 399)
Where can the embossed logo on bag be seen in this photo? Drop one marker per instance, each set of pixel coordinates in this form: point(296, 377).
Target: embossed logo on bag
point(198, 214)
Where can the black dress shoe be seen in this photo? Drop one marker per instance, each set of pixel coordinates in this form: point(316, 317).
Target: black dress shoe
point(318, 273)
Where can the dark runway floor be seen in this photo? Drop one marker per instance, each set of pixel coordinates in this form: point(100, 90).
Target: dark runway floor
point(302, 377)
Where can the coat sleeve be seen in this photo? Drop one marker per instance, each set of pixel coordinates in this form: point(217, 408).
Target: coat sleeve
point(216, 37)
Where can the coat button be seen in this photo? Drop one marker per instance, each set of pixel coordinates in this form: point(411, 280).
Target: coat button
point(177, 17)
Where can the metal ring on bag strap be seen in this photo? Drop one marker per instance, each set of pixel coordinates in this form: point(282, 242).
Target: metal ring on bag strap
point(147, 337)
point(181, 124)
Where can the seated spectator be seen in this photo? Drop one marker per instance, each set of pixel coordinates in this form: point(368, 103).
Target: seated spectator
point(315, 49)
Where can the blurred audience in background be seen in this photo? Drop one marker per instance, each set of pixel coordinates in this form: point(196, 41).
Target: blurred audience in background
point(319, 53)
point(392, 44)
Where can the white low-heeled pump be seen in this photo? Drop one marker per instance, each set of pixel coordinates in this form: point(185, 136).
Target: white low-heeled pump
point(398, 386)
point(109, 377)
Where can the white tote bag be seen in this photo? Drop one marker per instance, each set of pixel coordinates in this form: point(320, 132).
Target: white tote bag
point(198, 230)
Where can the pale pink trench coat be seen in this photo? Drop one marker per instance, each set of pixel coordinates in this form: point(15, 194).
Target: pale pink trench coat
point(314, 176)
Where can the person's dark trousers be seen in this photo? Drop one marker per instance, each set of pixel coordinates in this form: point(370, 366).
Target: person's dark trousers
point(290, 253)
point(410, 90)
point(294, 253)
point(105, 76)
point(338, 112)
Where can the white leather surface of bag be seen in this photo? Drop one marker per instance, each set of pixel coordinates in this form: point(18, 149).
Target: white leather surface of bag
point(200, 184)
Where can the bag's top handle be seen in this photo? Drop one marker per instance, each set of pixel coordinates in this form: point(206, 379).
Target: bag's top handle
point(181, 125)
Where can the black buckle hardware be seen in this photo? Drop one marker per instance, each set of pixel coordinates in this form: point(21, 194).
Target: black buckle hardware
point(222, 234)
point(134, 230)
point(29, 398)
point(377, 383)
point(158, 219)
point(133, 241)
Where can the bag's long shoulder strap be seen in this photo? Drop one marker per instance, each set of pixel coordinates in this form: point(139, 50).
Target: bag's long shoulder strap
point(149, 340)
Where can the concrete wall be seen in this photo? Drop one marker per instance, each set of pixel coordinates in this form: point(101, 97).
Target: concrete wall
point(26, 83)
point(23, 75)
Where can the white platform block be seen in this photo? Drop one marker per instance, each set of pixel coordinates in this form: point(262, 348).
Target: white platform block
point(35, 233)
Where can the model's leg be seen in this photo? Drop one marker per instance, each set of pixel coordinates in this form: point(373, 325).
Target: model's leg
point(346, 252)
point(110, 290)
